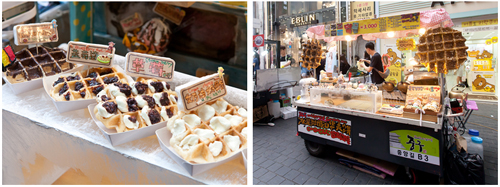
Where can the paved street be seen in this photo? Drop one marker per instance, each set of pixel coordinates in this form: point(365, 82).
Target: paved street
point(280, 157)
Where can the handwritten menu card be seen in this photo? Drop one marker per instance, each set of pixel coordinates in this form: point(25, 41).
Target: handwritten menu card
point(143, 65)
point(90, 54)
point(193, 95)
point(35, 33)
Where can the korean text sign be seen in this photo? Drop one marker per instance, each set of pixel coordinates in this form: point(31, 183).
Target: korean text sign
point(90, 54)
point(335, 129)
point(207, 89)
point(143, 65)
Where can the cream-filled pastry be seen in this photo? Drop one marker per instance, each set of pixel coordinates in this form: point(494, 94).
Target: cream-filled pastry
point(233, 142)
point(130, 122)
point(220, 106)
point(206, 112)
point(122, 103)
point(215, 148)
point(235, 120)
point(192, 120)
point(205, 134)
point(178, 127)
point(220, 124)
point(189, 141)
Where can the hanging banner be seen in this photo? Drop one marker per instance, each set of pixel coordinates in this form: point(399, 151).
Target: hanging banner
point(378, 25)
point(395, 60)
point(405, 44)
point(361, 10)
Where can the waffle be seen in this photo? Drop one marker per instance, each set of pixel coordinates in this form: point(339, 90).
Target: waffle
point(209, 134)
point(85, 84)
point(30, 65)
point(442, 49)
point(135, 108)
point(311, 54)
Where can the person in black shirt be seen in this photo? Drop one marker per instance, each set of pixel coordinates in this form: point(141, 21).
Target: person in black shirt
point(344, 66)
point(375, 63)
point(285, 57)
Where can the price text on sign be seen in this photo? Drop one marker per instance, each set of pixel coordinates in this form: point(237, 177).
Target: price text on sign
point(142, 65)
point(335, 129)
point(90, 54)
point(377, 25)
point(207, 89)
point(35, 33)
point(414, 145)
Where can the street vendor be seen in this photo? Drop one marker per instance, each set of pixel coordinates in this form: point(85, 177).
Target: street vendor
point(375, 63)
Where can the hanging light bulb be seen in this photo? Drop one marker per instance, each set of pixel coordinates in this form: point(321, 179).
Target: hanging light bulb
point(421, 31)
point(348, 38)
point(390, 34)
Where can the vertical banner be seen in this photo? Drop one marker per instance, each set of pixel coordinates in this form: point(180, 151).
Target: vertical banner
point(362, 10)
point(395, 60)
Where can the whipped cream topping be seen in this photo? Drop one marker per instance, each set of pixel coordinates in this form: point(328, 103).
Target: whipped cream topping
point(192, 120)
point(172, 98)
point(220, 106)
point(122, 103)
point(144, 115)
point(242, 112)
point(220, 124)
point(206, 112)
point(129, 124)
point(140, 101)
point(134, 90)
point(157, 97)
point(163, 113)
point(215, 148)
point(205, 134)
point(235, 120)
point(244, 132)
point(165, 85)
point(100, 94)
point(189, 141)
point(178, 127)
point(233, 142)
point(115, 91)
point(151, 86)
point(102, 111)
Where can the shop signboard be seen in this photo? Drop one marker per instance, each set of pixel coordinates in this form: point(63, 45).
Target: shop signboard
point(36, 33)
point(396, 61)
point(170, 12)
point(90, 54)
point(483, 81)
point(405, 44)
point(330, 128)
point(480, 23)
point(362, 10)
point(304, 19)
point(143, 65)
point(414, 145)
point(378, 25)
point(258, 40)
point(195, 94)
point(482, 65)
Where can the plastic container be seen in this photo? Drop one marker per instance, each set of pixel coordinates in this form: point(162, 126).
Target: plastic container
point(471, 133)
point(274, 108)
point(476, 146)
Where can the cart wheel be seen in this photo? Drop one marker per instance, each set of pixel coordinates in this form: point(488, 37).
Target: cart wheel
point(412, 176)
point(315, 149)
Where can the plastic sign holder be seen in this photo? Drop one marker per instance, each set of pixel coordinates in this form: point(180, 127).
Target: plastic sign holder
point(143, 65)
point(90, 54)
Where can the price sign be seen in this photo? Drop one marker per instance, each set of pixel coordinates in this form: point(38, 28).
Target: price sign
point(90, 54)
point(131, 22)
point(414, 145)
point(195, 94)
point(142, 65)
point(36, 33)
point(172, 13)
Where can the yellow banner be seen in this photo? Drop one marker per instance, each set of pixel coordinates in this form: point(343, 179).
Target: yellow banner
point(378, 25)
point(482, 65)
point(394, 74)
point(480, 23)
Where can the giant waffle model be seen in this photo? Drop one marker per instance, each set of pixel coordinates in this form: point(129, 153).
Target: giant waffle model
point(30, 65)
point(442, 49)
point(142, 103)
point(211, 133)
point(311, 54)
point(85, 84)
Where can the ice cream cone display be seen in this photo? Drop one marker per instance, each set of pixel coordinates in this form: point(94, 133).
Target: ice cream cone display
point(130, 106)
point(442, 49)
point(211, 133)
point(312, 54)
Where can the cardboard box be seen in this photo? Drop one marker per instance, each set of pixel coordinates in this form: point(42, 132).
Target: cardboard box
point(23, 87)
point(65, 106)
point(260, 113)
point(119, 138)
point(164, 136)
point(285, 102)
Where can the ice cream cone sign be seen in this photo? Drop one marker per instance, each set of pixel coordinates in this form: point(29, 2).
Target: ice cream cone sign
point(220, 71)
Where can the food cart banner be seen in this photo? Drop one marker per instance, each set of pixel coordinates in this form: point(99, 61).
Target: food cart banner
point(335, 129)
point(414, 145)
point(378, 25)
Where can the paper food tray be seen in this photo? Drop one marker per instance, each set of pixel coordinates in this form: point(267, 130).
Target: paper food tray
point(119, 138)
point(65, 106)
point(164, 136)
point(244, 153)
point(23, 87)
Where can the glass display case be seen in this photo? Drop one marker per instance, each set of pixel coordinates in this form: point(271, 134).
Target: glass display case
point(347, 99)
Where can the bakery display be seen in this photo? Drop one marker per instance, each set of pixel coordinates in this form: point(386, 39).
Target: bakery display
point(311, 54)
point(212, 132)
point(30, 64)
point(347, 96)
point(128, 106)
point(85, 84)
point(442, 49)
